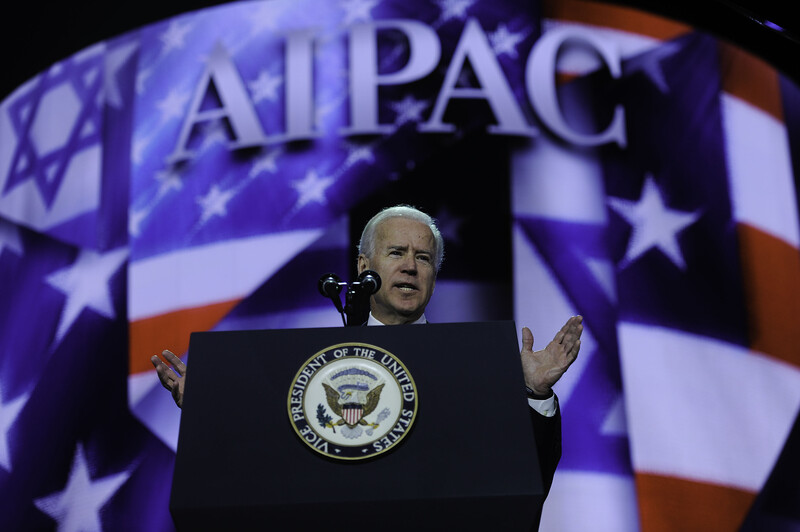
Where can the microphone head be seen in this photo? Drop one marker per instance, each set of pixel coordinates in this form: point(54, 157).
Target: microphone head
point(328, 285)
point(370, 281)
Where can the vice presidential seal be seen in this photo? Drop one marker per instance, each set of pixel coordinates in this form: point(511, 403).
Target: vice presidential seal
point(352, 401)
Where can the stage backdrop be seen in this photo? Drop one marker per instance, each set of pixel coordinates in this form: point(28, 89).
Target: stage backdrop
point(202, 172)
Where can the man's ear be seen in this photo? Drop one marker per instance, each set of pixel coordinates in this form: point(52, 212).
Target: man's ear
point(363, 263)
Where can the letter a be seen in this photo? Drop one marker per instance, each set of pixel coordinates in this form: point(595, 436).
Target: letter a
point(236, 106)
point(474, 45)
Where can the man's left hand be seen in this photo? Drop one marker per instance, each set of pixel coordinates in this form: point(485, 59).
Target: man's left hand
point(542, 369)
point(173, 381)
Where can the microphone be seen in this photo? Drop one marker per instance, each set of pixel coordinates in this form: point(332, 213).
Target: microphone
point(330, 286)
point(369, 281)
point(357, 297)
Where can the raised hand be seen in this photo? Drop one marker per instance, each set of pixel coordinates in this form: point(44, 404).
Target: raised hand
point(171, 380)
point(542, 369)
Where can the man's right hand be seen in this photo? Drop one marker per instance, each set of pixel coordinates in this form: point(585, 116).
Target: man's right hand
point(171, 380)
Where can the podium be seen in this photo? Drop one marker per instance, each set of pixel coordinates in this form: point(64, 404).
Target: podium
point(468, 461)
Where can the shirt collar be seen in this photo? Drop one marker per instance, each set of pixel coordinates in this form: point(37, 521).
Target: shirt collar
point(374, 321)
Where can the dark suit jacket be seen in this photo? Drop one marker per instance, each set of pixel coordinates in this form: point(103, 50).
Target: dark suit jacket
point(547, 432)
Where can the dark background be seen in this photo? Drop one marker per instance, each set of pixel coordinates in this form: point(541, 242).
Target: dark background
point(35, 35)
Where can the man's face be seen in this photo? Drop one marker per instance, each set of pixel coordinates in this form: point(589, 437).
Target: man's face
point(404, 259)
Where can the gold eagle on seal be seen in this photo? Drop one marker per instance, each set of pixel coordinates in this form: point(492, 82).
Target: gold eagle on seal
point(340, 404)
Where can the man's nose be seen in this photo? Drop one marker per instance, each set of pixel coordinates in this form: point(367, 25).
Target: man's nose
point(410, 265)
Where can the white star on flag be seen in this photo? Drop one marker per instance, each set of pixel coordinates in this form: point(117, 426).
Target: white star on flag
point(168, 180)
point(266, 162)
point(9, 238)
point(213, 132)
point(141, 79)
point(8, 416)
point(654, 225)
point(650, 65)
point(505, 42)
point(77, 507)
point(325, 109)
point(311, 188)
point(215, 203)
point(408, 109)
point(85, 283)
point(355, 10)
point(265, 87)
point(454, 9)
point(174, 37)
point(359, 153)
point(172, 106)
point(265, 18)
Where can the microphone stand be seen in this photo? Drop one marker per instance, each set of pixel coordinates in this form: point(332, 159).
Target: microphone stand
point(330, 286)
point(356, 308)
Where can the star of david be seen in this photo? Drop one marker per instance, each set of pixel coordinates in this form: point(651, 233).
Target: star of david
point(59, 117)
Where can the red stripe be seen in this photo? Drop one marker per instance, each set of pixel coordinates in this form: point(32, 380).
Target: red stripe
point(170, 331)
point(667, 504)
point(750, 79)
point(771, 270)
point(615, 17)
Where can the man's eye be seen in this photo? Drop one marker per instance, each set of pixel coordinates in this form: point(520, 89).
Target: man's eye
point(423, 258)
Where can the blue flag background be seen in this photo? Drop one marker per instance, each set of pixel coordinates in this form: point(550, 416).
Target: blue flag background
point(133, 212)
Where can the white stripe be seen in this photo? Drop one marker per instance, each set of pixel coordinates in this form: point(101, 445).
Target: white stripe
point(759, 165)
point(590, 502)
point(210, 274)
point(541, 305)
point(702, 409)
point(153, 405)
point(546, 177)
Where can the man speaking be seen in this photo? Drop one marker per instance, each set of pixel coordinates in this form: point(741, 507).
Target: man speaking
point(404, 246)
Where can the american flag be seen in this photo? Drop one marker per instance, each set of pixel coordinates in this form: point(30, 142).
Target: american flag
point(681, 252)
point(680, 249)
